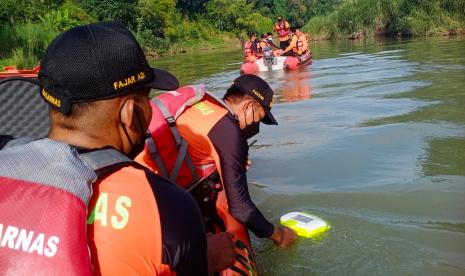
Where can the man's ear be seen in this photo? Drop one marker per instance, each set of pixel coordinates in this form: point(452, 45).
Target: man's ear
point(127, 114)
point(247, 104)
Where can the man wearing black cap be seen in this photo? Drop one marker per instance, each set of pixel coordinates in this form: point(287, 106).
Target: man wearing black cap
point(96, 80)
point(217, 132)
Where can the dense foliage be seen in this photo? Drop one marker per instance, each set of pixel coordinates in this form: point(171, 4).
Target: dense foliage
point(390, 17)
point(27, 26)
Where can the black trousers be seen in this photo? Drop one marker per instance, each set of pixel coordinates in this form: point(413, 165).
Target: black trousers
point(290, 54)
point(283, 44)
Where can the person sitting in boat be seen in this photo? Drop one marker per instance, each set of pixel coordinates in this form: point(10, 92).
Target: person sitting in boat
point(266, 40)
point(298, 45)
point(251, 48)
point(282, 28)
point(262, 44)
point(269, 40)
point(264, 49)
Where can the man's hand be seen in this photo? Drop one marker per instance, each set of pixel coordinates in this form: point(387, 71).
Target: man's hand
point(278, 52)
point(221, 253)
point(283, 236)
point(248, 164)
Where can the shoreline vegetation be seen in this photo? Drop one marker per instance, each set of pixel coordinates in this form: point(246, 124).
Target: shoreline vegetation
point(168, 27)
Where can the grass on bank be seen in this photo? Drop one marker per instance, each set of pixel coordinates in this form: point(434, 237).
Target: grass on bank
point(390, 17)
point(184, 36)
point(23, 44)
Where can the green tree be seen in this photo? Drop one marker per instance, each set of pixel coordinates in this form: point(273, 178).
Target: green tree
point(264, 7)
point(280, 8)
point(297, 12)
point(16, 11)
point(124, 11)
point(323, 7)
point(237, 16)
point(191, 7)
point(157, 16)
point(60, 19)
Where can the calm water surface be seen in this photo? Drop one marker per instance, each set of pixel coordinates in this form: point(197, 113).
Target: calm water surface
point(371, 137)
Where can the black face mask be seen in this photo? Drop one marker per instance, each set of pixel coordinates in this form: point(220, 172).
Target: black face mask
point(251, 130)
point(139, 146)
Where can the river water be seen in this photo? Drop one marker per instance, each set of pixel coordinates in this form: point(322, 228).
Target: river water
point(371, 138)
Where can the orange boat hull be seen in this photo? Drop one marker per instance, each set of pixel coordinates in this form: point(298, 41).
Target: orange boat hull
point(11, 71)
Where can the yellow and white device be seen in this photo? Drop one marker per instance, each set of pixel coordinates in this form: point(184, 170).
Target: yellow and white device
point(305, 225)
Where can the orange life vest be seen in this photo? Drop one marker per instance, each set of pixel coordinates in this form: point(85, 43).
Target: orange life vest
point(249, 49)
point(301, 45)
point(193, 125)
point(262, 44)
point(281, 29)
point(123, 225)
point(166, 151)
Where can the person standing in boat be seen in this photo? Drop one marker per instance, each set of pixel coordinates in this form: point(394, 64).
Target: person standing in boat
point(282, 30)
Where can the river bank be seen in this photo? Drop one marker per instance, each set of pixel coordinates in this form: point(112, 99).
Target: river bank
point(171, 27)
point(390, 18)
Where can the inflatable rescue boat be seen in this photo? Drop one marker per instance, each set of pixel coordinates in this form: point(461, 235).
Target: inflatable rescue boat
point(276, 63)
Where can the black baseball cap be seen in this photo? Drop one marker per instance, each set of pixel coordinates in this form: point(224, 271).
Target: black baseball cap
point(280, 18)
point(94, 62)
point(260, 91)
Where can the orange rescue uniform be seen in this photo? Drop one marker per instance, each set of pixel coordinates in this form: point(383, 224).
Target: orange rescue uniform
point(249, 51)
point(298, 44)
point(194, 125)
point(125, 234)
point(282, 29)
point(124, 229)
